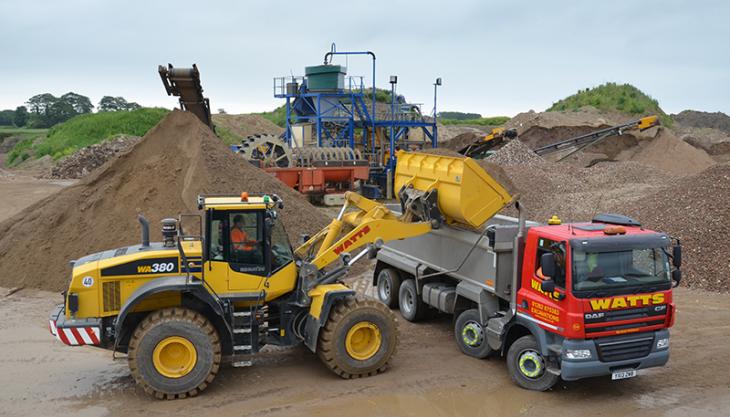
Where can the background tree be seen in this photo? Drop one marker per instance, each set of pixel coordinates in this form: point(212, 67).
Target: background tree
point(81, 104)
point(6, 117)
point(40, 103)
point(20, 118)
point(109, 103)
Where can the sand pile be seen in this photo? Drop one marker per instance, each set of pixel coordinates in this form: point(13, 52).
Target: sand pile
point(161, 176)
point(669, 153)
point(694, 209)
point(462, 140)
point(700, 119)
point(246, 124)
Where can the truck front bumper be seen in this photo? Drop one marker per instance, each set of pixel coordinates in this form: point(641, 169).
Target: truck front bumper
point(74, 332)
point(597, 365)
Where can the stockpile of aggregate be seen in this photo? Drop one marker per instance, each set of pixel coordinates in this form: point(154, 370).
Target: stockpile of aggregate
point(82, 162)
point(161, 176)
point(695, 210)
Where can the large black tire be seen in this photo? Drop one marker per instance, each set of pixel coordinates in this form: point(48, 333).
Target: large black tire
point(471, 335)
point(532, 373)
point(347, 318)
point(388, 286)
point(412, 308)
point(169, 333)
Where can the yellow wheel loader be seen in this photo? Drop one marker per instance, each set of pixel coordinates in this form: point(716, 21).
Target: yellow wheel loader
point(177, 307)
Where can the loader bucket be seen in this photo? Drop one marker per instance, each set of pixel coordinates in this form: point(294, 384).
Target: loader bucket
point(466, 193)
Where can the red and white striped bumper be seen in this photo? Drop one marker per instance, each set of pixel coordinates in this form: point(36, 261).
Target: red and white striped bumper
point(74, 332)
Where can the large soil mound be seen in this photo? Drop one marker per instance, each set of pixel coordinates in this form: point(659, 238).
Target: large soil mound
point(693, 118)
point(161, 176)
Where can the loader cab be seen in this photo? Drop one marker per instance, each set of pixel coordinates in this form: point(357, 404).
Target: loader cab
point(246, 247)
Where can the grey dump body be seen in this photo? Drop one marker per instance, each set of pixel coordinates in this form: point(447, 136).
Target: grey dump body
point(482, 273)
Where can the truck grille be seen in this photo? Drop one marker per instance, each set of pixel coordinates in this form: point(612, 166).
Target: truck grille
point(619, 350)
point(112, 296)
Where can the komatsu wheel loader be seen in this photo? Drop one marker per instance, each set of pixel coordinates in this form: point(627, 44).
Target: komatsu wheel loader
point(178, 306)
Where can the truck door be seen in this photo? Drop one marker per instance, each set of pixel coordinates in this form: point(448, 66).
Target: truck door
point(545, 308)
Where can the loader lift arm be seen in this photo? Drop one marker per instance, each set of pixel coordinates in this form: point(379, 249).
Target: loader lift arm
point(185, 83)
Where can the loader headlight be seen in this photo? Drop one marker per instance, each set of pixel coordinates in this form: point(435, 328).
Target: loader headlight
point(578, 354)
point(662, 343)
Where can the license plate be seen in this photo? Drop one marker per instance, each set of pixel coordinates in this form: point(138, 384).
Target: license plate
point(628, 373)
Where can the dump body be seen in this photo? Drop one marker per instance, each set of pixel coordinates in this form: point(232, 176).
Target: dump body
point(443, 250)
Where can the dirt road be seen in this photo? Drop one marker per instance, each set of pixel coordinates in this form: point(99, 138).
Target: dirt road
point(429, 377)
point(19, 191)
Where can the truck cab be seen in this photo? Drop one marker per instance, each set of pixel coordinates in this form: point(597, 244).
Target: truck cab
point(601, 294)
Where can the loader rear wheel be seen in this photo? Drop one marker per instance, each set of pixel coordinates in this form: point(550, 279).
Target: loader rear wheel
point(174, 353)
point(359, 338)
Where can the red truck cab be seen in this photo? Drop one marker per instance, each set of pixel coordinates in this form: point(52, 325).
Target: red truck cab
point(602, 294)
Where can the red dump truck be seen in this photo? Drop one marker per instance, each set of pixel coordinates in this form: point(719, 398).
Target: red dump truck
point(566, 301)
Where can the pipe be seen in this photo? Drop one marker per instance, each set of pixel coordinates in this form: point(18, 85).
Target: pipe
point(145, 230)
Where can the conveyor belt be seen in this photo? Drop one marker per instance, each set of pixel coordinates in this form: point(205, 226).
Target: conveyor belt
point(185, 83)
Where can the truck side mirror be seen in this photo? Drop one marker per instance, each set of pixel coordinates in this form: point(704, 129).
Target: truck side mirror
point(547, 285)
point(677, 256)
point(547, 263)
point(677, 276)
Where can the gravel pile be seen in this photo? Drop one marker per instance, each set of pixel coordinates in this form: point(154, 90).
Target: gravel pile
point(516, 153)
point(82, 162)
point(695, 210)
point(693, 118)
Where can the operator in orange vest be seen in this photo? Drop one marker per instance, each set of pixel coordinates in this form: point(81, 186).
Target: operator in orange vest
point(239, 237)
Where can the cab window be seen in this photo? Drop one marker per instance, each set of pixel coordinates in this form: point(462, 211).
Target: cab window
point(281, 251)
point(558, 249)
point(245, 237)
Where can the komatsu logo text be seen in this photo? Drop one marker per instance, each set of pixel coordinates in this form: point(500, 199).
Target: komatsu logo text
point(351, 241)
point(627, 301)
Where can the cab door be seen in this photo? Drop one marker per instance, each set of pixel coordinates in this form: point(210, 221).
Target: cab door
point(547, 309)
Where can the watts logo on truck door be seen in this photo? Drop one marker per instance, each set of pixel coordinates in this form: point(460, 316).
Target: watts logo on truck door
point(143, 267)
point(627, 301)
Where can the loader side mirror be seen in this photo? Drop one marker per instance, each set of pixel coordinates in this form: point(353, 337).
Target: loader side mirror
point(677, 256)
point(547, 263)
point(677, 277)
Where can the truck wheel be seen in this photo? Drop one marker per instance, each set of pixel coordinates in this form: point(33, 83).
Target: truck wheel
point(359, 338)
point(470, 335)
point(388, 286)
point(528, 367)
point(174, 353)
point(411, 306)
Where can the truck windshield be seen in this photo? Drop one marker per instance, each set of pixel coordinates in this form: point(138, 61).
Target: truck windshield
point(629, 269)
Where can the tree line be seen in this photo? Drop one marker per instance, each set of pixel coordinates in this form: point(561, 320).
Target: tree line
point(45, 110)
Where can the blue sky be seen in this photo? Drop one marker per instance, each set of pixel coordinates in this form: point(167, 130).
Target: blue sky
point(495, 57)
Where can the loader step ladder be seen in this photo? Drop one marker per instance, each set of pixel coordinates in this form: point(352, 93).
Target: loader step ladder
point(577, 143)
point(245, 336)
point(185, 83)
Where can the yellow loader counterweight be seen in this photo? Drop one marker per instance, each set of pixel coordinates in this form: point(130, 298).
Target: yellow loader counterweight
point(177, 307)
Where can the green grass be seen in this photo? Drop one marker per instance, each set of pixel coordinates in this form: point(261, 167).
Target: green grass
point(12, 130)
point(20, 152)
point(482, 121)
point(227, 136)
point(276, 116)
point(87, 129)
point(624, 98)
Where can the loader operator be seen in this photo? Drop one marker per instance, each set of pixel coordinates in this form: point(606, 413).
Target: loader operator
point(239, 237)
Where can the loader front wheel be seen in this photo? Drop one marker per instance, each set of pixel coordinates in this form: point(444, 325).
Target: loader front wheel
point(174, 353)
point(359, 338)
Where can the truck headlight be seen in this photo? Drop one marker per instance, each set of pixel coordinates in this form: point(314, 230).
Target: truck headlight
point(662, 343)
point(577, 353)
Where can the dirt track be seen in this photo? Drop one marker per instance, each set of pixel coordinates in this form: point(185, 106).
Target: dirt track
point(429, 377)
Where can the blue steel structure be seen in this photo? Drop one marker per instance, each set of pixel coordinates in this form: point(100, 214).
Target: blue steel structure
point(336, 116)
